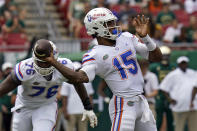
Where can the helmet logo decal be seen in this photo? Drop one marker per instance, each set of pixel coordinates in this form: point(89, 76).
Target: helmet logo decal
point(89, 18)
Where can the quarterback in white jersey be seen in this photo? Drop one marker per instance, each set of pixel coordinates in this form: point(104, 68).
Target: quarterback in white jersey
point(36, 107)
point(114, 59)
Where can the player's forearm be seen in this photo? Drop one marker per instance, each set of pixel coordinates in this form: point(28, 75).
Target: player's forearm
point(7, 85)
point(155, 55)
point(80, 89)
point(72, 76)
point(194, 91)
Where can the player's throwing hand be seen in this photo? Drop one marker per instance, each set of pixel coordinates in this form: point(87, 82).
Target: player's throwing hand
point(141, 25)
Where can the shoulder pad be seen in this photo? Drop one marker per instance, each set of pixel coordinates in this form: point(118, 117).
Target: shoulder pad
point(89, 56)
point(24, 70)
point(66, 62)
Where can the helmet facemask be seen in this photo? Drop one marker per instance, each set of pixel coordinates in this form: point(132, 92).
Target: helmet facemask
point(111, 32)
point(40, 70)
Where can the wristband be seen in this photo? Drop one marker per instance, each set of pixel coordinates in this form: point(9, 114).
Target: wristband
point(150, 44)
point(87, 105)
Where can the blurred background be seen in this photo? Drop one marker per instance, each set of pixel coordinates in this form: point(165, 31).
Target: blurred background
point(173, 23)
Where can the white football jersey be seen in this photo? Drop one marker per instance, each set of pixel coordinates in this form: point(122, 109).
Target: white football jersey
point(118, 65)
point(35, 90)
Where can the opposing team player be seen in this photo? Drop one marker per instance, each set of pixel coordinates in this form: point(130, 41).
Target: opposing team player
point(114, 59)
point(35, 107)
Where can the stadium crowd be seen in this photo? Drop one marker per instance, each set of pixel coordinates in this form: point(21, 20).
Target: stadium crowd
point(171, 22)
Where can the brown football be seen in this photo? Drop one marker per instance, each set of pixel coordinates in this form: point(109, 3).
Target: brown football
point(42, 48)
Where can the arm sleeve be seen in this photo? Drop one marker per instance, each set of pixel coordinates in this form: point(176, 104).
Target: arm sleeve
point(141, 48)
point(89, 65)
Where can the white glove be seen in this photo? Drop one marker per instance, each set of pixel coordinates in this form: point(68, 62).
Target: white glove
point(106, 99)
point(91, 116)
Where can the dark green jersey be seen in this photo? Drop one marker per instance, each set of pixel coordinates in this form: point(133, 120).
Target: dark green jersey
point(160, 70)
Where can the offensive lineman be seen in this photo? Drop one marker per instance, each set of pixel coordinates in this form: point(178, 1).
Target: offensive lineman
point(37, 81)
point(114, 59)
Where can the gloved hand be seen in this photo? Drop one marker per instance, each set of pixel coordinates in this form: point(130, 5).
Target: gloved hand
point(91, 116)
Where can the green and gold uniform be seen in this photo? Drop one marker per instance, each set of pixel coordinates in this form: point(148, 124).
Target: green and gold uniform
point(162, 105)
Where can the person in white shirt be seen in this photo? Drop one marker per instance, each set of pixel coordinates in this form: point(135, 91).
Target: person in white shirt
point(172, 32)
point(151, 84)
point(72, 105)
point(177, 87)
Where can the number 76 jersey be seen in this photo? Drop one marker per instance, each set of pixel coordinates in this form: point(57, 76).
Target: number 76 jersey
point(117, 65)
point(35, 90)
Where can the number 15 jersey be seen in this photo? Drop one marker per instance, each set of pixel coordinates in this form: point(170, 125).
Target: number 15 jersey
point(117, 65)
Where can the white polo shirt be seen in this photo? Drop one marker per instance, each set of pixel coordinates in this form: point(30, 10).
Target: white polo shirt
point(151, 84)
point(75, 105)
point(179, 85)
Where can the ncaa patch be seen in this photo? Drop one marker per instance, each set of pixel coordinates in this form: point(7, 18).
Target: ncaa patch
point(105, 57)
point(130, 103)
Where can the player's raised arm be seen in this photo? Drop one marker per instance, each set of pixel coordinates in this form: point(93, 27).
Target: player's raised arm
point(141, 26)
point(8, 85)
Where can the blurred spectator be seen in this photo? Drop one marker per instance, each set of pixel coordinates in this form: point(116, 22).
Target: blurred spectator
point(148, 14)
point(101, 3)
point(125, 15)
point(172, 31)
point(151, 84)
point(182, 38)
point(195, 37)
point(165, 16)
point(14, 25)
point(177, 87)
point(158, 34)
point(81, 31)
point(155, 6)
point(75, 15)
point(191, 28)
point(5, 101)
point(190, 6)
point(162, 105)
point(73, 112)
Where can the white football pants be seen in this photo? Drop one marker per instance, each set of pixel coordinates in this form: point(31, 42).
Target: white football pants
point(38, 119)
point(127, 114)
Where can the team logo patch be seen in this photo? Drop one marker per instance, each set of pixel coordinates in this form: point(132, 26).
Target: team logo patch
point(89, 18)
point(130, 103)
point(116, 48)
point(105, 57)
point(36, 83)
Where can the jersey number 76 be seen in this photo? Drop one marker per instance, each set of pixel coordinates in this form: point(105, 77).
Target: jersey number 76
point(125, 64)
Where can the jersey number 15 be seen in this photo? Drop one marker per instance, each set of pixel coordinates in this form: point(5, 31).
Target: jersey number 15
point(126, 63)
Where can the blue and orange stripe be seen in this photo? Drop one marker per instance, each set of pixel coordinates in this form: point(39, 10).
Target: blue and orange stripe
point(120, 115)
point(115, 103)
point(19, 70)
point(90, 59)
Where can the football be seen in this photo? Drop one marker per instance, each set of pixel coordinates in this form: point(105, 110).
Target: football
point(42, 48)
